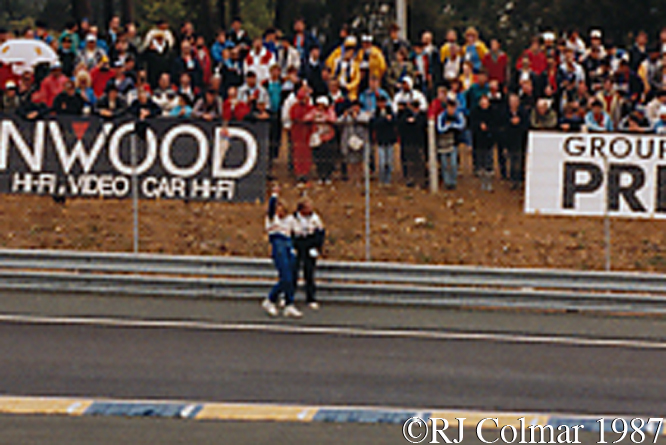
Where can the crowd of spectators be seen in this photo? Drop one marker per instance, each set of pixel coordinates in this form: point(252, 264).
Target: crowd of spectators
point(334, 103)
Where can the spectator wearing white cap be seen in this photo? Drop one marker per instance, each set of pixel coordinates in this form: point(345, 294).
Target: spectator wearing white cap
point(371, 61)
point(347, 70)
point(10, 99)
point(91, 55)
point(596, 42)
point(322, 137)
point(408, 95)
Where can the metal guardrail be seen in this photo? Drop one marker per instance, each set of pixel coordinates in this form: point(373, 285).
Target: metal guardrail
point(364, 283)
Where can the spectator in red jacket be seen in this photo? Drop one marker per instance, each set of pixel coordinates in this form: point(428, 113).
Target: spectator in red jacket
point(101, 75)
point(233, 109)
point(438, 105)
point(53, 84)
point(203, 56)
point(496, 62)
point(537, 57)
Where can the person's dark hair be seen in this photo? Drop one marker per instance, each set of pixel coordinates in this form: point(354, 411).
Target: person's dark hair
point(237, 19)
point(251, 74)
point(41, 24)
point(185, 99)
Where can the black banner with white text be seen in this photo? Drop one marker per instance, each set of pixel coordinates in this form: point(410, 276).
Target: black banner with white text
point(173, 158)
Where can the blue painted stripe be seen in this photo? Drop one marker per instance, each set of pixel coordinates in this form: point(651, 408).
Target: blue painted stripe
point(170, 410)
point(590, 425)
point(365, 416)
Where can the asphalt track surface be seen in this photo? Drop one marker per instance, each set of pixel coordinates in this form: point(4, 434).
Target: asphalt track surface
point(510, 369)
point(40, 430)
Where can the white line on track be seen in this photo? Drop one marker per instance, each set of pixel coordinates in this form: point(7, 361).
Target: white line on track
point(336, 330)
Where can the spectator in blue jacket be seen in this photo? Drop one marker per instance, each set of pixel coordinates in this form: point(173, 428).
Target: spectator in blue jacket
point(183, 109)
point(220, 45)
point(450, 125)
point(597, 120)
point(370, 98)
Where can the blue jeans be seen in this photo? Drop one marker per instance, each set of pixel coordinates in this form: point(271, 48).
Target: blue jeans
point(449, 167)
point(284, 261)
point(385, 153)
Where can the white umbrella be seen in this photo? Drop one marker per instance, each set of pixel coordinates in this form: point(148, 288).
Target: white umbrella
point(24, 54)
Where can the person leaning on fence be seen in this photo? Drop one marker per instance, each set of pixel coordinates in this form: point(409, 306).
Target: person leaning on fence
point(280, 226)
point(450, 124)
point(111, 105)
point(144, 107)
point(322, 136)
point(209, 108)
point(309, 235)
point(183, 110)
point(384, 131)
point(354, 139)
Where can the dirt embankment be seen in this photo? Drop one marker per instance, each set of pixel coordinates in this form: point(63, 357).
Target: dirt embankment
point(464, 226)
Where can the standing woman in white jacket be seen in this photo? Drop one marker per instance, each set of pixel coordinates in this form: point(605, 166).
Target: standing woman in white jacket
point(280, 227)
point(309, 237)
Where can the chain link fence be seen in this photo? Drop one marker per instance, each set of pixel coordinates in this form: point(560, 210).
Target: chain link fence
point(380, 201)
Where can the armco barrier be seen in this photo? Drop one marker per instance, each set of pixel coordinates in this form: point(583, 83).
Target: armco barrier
point(364, 283)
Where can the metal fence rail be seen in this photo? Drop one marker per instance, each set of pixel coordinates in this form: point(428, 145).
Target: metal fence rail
point(365, 283)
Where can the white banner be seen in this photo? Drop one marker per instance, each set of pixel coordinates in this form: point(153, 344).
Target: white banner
point(591, 174)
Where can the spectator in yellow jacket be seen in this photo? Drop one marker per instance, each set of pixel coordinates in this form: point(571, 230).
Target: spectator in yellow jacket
point(339, 52)
point(347, 69)
point(371, 58)
point(450, 46)
point(474, 50)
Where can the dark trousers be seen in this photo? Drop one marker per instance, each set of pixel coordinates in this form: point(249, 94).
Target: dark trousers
point(502, 157)
point(482, 152)
point(413, 164)
point(324, 158)
point(275, 137)
point(517, 164)
point(308, 264)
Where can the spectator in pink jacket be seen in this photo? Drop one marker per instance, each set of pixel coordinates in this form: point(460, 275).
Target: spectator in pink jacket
point(53, 84)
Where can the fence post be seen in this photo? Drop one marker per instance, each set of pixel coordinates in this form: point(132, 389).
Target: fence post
point(607, 222)
point(135, 194)
point(432, 157)
point(366, 173)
